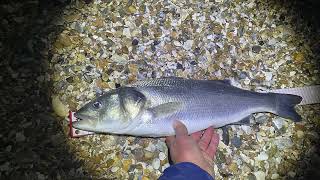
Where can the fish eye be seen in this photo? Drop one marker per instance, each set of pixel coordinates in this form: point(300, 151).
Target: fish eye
point(97, 105)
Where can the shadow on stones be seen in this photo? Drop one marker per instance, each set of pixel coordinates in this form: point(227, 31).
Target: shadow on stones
point(32, 144)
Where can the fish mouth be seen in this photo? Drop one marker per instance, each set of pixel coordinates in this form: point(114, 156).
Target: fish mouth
point(85, 122)
point(81, 117)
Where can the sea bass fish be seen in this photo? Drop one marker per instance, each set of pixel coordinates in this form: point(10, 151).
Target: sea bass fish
point(148, 108)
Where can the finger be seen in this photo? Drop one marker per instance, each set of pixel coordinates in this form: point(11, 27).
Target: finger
point(205, 139)
point(212, 148)
point(170, 140)
point(180, 129)
point(196, 136)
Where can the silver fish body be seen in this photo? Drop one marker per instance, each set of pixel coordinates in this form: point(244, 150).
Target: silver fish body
point(149, 108)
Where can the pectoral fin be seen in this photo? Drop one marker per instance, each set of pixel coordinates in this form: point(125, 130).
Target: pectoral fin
point(164, 110)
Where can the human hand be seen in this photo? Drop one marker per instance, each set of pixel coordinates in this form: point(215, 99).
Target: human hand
point(195, 148)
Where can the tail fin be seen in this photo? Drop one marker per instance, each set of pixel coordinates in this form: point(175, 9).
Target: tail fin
point(285, 106)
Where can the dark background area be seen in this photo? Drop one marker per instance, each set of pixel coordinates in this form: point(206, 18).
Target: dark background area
point(32, 144)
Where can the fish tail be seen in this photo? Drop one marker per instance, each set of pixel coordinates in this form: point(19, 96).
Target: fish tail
point(285, 104)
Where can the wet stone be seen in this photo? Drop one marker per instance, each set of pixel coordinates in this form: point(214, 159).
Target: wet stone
point(243, 75)
point(70, 79)
point(78, 27)
point(156, 163)
point(193, 63)
point(256, 49)
point(144, 31)
point(236, 141)
point(278, 123)
point(156, 42)
point(179, 66)
point(261, 118)
point(135, 42)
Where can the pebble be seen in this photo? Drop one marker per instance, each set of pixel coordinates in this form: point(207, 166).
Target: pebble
point(262, 156)
point(300, 134)
point(193, 63)
point(246, 129)
point(156, 163)
point(275, 176)
point(246, 81)
point(20, 137)
point(261, 118)
point(284, 142)
point(251, 177)
point(272, 41)
point(126, 32)
point(268, 76)
point(119, 59)
point(148, 155)
point(179, 66)
point(256, 49)
point(260, 175)
point(78, 27)
point(5, 166)
point(151, 147)
point(135, 42)
point(162, 156)
point(292, 73)
point(177, 43)
point(278, 122)
point(236, 141)
point(114, 169)
point(40, 176)
point(161, 146)
point(243, 75)
point(8, 148)
point(132, 9)
point(233, 167)
point(291, 174)
point(58, 107)
point(188, 45)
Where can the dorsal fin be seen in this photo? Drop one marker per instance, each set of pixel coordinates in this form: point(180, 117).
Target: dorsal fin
point(224, 81)
point(168, 81)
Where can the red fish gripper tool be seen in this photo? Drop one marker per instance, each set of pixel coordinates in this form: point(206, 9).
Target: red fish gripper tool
point(73, 132)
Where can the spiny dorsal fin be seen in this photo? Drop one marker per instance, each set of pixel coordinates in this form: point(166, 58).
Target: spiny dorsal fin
point(168, 81)
point(224, 81)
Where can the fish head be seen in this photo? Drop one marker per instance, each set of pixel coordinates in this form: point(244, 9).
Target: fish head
point(111, 112)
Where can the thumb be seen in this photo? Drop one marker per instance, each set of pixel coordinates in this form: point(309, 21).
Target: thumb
point(180, 129)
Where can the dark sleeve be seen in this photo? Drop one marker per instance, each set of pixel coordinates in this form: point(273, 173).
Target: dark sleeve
point(184, 171)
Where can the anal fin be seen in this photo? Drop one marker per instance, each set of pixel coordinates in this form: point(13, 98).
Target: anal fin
point(225, 129)
point(244, 121)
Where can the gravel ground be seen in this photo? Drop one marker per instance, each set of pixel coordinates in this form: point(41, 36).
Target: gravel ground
point(61, 54)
